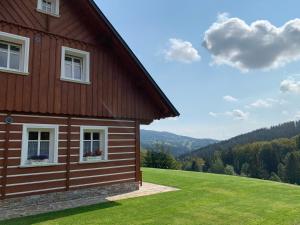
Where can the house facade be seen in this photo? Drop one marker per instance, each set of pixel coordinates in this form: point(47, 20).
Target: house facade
point(72, 99)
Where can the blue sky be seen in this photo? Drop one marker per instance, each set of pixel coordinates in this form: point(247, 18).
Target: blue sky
point(223, 74)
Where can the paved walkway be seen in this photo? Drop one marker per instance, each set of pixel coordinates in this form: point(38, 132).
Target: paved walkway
point(146, 189)
point(33, 205)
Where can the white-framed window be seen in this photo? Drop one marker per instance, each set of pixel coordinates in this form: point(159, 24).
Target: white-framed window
point(75, 65)
point(14, 53)
point(39, 145)
point(93, 143)
point(49, 7)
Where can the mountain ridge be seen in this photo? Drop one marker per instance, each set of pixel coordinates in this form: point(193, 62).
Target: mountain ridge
point(176, 144)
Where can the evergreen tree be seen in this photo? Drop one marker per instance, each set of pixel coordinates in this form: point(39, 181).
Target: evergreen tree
point(245, 169)
point(217, 165)
point(274, 177)
point(293, 168)
point(281, 172)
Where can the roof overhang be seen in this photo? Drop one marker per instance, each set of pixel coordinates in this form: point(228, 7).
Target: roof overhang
point(169, 109)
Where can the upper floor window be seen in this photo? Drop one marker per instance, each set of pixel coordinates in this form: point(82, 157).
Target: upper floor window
point(10, 55)
point(75, 65)
point(49, 6)
point(14, 53)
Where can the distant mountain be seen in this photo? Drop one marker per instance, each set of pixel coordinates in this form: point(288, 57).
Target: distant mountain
point(175, 143)
point(285, 130)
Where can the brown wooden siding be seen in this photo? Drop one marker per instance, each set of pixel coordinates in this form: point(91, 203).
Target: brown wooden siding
point(120, 167)
point(116, 91)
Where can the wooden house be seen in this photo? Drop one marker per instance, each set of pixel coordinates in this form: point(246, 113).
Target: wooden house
point(72, 99)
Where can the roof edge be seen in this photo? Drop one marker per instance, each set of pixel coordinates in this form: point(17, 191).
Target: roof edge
point(125, 45)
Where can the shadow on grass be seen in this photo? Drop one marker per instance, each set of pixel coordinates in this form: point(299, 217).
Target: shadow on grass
point(30, 220)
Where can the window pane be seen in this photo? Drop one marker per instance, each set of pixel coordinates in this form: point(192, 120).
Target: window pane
point(87, 136)
point(3, 59)
point(86, 148)
point(3, 47)
point(14, 49)
point(44, 149)
point(46, 5)
point(45, 136)
point(68, 59)
point(68, 68)
point(32, 149)
point(96, 146)
point(14, 61)
point(96, 136)
point(33, 136)
point(77, 72)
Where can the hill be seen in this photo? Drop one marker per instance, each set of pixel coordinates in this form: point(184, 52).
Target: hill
point(203, 199)
point(285, 130)
point(176, 144)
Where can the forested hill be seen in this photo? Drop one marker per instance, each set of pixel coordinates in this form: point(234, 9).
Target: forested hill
point(176, 144)
point(285, 130)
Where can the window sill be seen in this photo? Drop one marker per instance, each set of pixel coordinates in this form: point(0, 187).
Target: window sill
point(49, 14)
point(14, 72)
point(91, 162)
point(75, 81)
point(41, 165)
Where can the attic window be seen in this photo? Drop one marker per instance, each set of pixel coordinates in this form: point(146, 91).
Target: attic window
point(50, 7)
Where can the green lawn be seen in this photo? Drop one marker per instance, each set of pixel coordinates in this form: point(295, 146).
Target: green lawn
point(204, 199)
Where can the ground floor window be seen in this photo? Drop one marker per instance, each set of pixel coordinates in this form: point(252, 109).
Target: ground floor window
point(39, 144)
point(93, 144)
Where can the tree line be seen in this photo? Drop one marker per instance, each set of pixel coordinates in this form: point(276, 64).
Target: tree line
point(277, 160)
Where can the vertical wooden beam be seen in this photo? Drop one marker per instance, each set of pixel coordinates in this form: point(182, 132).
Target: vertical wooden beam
point(5, 161)
point(68, 163)
point(138, 177)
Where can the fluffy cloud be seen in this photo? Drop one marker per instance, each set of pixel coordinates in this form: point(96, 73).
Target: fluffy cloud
point(260, 45)
point(181, 51)
point(238, 114)
point(229, 98)
point(290, 85)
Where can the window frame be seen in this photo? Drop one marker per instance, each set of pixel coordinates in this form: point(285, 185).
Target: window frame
point(40, 8)
point(24, 43)
point(53, 142)
point(103, 139)
point(84, 56)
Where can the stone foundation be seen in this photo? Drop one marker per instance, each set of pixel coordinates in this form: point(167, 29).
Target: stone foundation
point(36, 204)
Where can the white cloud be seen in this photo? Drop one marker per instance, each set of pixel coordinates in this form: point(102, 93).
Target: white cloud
point(223, 17)
point(213, 114)
point(229, 98)
point(290, 85)
point(266, 103)
point(238, 114)
point(262, 104)
point(181, 51)
point(260, 45)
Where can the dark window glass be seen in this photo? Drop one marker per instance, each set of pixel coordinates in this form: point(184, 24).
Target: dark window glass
point(96, 136)
point(33, 136)
point(45, 136)
point(87, 136)
point(3, 46)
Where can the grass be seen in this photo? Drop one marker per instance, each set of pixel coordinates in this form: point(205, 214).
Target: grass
point(206, 199)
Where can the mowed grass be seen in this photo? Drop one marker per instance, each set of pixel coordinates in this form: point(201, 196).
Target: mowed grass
point(206, 199)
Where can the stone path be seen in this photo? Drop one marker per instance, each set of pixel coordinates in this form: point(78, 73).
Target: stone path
point(33, 205)
point(146, 189)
